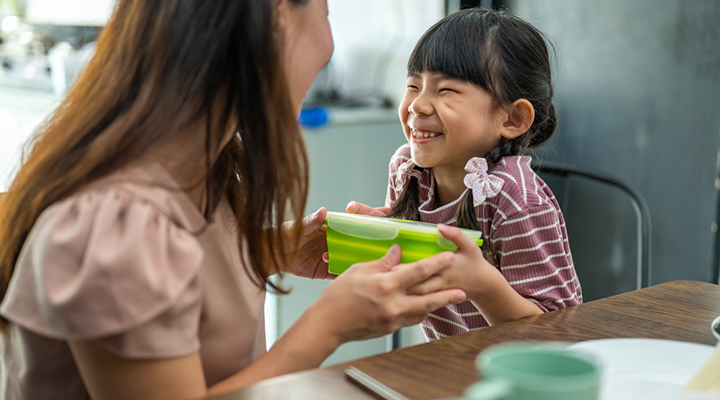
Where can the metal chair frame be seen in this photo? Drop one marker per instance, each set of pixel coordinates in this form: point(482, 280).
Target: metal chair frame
point(636, 199)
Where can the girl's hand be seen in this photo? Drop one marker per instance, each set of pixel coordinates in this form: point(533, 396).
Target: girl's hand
point(371, 299)
point(470, 271)
point(309, 259)
point(485, 286)
point(359, 208)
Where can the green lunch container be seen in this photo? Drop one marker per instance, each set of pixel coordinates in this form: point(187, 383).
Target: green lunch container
point(356, 238)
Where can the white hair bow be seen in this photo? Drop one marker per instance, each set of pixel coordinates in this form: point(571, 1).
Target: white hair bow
point(482, 184)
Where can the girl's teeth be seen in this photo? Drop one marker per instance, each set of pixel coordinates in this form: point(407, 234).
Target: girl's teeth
point(424, 135)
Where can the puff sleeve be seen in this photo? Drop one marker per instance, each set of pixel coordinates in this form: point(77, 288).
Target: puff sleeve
point(111, 267)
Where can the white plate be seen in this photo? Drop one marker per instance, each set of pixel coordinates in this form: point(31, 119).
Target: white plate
point(639, 369)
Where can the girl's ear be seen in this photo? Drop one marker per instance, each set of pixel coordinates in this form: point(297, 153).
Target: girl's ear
point(518, 120)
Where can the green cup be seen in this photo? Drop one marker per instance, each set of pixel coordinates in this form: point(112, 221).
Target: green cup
point(534, 371)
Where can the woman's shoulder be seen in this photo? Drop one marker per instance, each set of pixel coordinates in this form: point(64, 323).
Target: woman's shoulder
point(146, 185)
point(113, 254)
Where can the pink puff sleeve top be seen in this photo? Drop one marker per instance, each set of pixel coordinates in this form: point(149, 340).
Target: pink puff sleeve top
point(130, 263)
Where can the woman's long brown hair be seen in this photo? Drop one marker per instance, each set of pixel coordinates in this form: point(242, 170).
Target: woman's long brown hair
point(161, 66)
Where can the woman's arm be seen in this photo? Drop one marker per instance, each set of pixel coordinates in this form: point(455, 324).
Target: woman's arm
point(368, 300)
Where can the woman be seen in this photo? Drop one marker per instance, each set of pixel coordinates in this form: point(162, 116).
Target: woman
point(135, 243)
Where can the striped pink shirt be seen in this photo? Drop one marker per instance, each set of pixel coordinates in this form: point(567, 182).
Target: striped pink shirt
point(526, 232)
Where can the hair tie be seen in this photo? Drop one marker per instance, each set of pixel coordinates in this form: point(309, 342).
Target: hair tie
point(406, 171)
point(482, 184)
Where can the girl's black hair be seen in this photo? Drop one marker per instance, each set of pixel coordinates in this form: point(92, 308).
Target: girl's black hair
point(504, 55)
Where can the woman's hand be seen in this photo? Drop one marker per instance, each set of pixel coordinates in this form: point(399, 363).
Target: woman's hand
point(371, 299)
point(485, 286)
point(359, 208)
point(309, 259)
point(368, 300)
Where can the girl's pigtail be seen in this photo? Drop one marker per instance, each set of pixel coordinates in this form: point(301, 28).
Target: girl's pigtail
point(466, 218)
point(509, 148)
point(546, 129)
point(407, 206)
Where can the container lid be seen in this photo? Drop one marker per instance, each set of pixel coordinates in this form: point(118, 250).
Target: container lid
point(379, 228)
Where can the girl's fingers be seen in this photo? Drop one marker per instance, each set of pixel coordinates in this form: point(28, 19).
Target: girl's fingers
point(461, 240)
point(383, 210)
point(359, 208)
point(411, 274)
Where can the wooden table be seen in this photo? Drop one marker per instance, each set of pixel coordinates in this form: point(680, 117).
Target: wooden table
point(679, 310)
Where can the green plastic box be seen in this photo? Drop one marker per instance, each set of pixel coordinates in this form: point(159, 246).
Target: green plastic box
point(356, 238)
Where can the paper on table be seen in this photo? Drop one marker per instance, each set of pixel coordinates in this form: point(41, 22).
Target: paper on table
point(645, 369)
point(708, 379)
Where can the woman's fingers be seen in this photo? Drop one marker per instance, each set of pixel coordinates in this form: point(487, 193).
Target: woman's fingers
point(359, 208)
point(410, 274)
point(423, 305)
point(313, 222)
point(432, 284)
point(310, 224)
point(387, 262)
point(377, 294)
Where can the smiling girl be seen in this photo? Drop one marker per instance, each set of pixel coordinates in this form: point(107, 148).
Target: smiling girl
point(479, 93)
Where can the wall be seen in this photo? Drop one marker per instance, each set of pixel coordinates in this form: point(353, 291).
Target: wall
point(373, 40)
point(69, 12)
point(638, 95)
point(21, 111)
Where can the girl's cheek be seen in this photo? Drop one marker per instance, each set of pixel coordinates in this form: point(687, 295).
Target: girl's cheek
point(403, 112)
point(403, 108)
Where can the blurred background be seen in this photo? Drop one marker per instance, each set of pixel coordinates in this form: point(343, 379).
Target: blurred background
point(637, 94)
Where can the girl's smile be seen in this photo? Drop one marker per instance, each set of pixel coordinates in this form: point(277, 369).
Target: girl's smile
point(423, 135)
point(447, 121)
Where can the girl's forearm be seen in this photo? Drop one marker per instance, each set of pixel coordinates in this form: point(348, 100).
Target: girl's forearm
point(499, 302)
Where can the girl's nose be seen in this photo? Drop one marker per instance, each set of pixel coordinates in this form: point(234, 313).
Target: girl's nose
point(420, 105)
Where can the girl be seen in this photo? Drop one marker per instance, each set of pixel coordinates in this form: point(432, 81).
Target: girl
point(479, 93)
point(136, 239)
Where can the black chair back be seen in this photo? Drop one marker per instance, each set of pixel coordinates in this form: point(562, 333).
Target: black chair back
point(608, 224)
